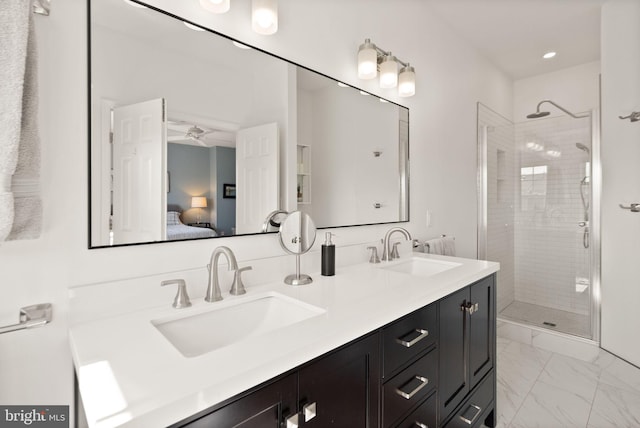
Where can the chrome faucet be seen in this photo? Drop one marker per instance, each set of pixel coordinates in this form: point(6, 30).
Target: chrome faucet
point(388, 253)
point(213, 289)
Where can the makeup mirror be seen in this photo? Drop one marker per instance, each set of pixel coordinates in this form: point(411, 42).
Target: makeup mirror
point(297, 235)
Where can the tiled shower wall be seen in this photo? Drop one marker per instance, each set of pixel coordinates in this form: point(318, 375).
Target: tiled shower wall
point(551, 263)
point(501, 182)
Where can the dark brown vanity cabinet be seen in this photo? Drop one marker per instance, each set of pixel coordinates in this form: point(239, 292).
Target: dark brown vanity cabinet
point(434, 367)
point(340, 389)
point(467, 355)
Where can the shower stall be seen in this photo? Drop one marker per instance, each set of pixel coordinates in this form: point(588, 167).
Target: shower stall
point(538, 185)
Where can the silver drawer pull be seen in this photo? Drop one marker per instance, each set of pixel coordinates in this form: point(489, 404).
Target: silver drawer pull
point(471, 407)
point(409, 344)
point(421, 425)
point(423, 382)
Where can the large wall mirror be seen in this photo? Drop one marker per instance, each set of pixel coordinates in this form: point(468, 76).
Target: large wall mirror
point(195, 136)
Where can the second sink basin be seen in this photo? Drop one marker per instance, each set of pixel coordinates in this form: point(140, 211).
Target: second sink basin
point(200, 333)
point(422, 267)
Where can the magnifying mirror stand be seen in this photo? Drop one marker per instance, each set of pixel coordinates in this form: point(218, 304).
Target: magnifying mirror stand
point(298, 278)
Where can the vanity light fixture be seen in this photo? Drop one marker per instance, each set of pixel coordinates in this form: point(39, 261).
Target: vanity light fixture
point(371, 58)
point(215, 6)
point(264, 16)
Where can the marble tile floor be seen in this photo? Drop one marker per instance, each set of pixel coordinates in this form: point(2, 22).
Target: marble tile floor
point(541, 388)
point(565, 322)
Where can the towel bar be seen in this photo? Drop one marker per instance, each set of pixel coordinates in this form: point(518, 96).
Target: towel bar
point(31, 316)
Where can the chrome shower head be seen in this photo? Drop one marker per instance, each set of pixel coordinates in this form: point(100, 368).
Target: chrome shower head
point(583, 148)
point(538, 114)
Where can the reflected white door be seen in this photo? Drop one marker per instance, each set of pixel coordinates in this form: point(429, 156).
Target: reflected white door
point(139, 172)
point(257, 176)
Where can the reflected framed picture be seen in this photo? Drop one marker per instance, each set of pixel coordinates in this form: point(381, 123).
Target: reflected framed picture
point(229, 191)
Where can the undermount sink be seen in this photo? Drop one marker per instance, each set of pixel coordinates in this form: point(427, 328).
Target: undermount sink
point(422, 267)
point(200, 333)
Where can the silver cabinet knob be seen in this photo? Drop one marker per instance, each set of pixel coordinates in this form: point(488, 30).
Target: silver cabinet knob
point(309, 411)
point(293, 421)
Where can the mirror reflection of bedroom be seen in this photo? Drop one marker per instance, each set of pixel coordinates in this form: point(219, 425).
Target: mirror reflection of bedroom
point(201, 168)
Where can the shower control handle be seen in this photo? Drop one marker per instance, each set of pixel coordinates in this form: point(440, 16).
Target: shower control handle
point(635, 208)
point(583, 224)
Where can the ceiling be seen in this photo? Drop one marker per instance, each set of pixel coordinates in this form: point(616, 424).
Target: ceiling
point(514, 34)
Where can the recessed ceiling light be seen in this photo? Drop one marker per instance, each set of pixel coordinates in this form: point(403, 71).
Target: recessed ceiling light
point(343, 85)
point(364, 93)
point(191, 26)
point(382, 100)
point(549, 55)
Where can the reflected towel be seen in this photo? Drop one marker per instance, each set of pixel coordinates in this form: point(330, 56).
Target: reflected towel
point(20, 204)
point(444, 246)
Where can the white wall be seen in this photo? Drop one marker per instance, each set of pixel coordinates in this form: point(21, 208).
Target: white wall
point(621, 178)
point(35, 366)
point(574, 88)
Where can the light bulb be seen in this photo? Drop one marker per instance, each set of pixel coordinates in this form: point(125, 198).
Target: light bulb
point(389, 72)
point(367, 60)
point(407, 81)
point(264, 16)
point(215, 6)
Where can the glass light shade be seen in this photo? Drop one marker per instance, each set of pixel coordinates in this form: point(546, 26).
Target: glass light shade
point(215, 6)
point(264, 16)
point(407, 82)
point(198, 202)
point(192, 27)
point(389, 72)
point(367, 60)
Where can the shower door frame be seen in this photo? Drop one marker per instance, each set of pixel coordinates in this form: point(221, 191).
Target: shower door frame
point(594, 223)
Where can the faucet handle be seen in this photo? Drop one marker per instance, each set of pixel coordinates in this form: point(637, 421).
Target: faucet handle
point(394, 251)
point(374, 255)
point(237, 288)
point(182, 298)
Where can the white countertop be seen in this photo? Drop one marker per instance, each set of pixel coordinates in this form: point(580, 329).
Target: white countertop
point(130, 375)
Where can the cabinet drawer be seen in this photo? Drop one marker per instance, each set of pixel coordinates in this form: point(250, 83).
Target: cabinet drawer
point(423, 417)
point(409, 387)
point(408, 337)
point(475, 409)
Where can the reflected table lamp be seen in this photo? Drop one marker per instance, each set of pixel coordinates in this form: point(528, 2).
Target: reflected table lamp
point(199, 202)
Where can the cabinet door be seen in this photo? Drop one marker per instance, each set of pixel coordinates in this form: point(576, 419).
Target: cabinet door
point(342, 389)
point(482, 330)
point(264, 408)
point(454, 344)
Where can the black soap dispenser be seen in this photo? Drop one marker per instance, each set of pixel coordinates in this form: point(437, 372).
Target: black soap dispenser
point(328, 256)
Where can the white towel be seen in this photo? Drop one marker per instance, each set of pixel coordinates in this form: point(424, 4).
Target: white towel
point(444, 246)
point(20, 204)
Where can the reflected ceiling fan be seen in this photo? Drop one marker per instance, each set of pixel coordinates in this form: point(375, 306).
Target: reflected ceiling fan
point(183, 132)
point(180, 131)
point(195, 133)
